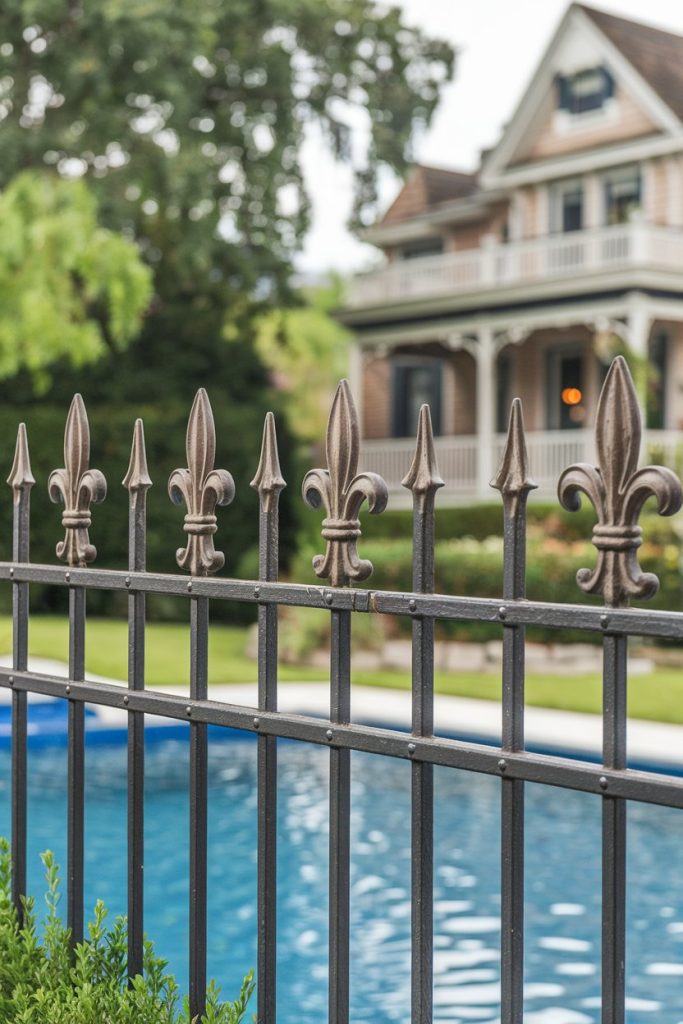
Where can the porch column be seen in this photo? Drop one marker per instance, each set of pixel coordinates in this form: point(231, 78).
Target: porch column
point(638, 335)
point(485, 353)
point(356, 380)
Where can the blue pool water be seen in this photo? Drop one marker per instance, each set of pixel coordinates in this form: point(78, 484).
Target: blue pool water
point(562, 870)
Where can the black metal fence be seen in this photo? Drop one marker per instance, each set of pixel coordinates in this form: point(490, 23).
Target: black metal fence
point(618, 491)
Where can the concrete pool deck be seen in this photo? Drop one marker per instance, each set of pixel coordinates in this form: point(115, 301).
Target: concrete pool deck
point(655, 744)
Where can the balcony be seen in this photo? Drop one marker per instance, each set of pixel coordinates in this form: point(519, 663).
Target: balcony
point(550, 452)
point(592, 253)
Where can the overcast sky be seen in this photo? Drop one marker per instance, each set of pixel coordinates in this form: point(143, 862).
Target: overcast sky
point(500, 43)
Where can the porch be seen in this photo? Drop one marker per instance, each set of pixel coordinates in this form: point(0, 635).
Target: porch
point(602, 252)
point(461, 459)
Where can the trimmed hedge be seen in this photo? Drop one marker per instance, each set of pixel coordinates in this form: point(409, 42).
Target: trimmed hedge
point(474, 568)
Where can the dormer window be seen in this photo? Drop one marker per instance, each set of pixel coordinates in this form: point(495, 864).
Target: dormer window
point(584, 91)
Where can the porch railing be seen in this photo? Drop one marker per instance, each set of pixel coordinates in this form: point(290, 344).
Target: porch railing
point(518, 263)
point(617, 491)
point(459, 457)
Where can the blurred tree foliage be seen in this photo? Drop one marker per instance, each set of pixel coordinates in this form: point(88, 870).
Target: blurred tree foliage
point(184, 122)
point(308, 351)
point(68, 288)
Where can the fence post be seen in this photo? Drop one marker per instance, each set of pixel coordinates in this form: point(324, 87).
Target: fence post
point(618, 491)
point(76, 486)
point(423, 480)
point(342, 491)
point(21, 481)
point(514, 483)
point(268, 482)
point(201, 488)
point(137, 482)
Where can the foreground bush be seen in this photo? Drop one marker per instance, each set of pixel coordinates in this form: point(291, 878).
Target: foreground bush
point(42, 982)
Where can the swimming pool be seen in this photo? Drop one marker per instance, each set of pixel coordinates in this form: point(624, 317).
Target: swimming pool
point(562, 871)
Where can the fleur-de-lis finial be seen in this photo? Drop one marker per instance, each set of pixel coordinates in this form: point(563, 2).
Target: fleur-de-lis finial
point(618, 490)
point(77, 487)
point(201, 488)
point(343, 490)
point(513, 478)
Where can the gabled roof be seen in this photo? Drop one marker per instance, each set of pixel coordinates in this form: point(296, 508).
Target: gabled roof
point(427, 187)
point(646, 60)
point(656, 54)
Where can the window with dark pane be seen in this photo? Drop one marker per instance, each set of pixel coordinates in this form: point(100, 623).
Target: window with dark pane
point(414, 384)
point(622, 196)
point(585, 90)
point(503, 391)
point(656, 385)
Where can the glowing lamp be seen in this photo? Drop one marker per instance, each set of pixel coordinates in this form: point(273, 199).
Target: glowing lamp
point(572, 396)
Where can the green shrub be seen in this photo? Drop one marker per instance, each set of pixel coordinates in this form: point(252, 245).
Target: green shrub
point(474, 568)
point(43, 982)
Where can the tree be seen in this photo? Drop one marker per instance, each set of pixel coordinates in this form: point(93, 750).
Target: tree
point(187, 120)
point(307, 351)
point(68, 288)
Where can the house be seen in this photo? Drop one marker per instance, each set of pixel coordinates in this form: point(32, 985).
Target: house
point(525, 277)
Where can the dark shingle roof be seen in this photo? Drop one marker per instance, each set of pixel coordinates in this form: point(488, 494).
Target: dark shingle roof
point(656, 54)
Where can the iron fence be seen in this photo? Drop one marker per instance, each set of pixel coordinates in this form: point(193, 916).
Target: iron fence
point(617, 489)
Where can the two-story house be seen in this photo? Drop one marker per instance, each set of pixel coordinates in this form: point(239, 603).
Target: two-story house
point(525, 277)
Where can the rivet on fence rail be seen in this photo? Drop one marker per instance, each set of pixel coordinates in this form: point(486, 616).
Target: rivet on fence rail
point(77, 487)
point(201, 488)
point(343, 490)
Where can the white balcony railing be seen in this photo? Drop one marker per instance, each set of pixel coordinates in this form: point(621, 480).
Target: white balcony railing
point(550, 452)
point(492, 265)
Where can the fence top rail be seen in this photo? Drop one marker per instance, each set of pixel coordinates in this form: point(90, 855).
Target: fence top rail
point(593, 618)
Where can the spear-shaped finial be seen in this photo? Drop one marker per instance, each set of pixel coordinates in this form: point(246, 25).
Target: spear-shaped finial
point(513, 479)
point(423, 477)
point(137, 478)
point(21, 478)
point(268, 480)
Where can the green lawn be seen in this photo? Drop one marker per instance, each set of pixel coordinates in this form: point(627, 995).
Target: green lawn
point(657, 696)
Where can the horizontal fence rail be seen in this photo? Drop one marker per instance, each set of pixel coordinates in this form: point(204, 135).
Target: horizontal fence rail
point(617, 490)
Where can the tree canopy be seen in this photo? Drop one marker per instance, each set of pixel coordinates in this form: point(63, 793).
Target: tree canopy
point(68, 287)
point(187, 120)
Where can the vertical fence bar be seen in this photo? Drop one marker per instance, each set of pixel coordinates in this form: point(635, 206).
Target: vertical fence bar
point(615, 655)
point(199, 650)
point(618, 491)
point(342, 491)
point(340, 813)
point(76, 486)
point(76, 768)
point(514, 483)
point(137, 482)
point(268, 482)
point(201, 488)
point(423, 480)
point(21, 481)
